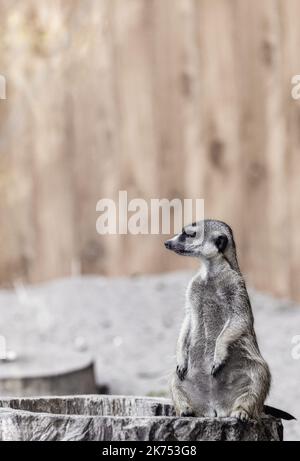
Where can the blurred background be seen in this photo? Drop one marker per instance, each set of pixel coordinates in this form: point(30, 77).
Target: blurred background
point(163, 99)
point(172, 98)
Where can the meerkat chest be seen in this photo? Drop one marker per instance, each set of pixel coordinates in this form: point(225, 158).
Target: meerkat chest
point(210, 302)
point(210, 295)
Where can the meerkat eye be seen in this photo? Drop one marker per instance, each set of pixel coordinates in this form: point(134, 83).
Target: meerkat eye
point(188, 234)
point(221, 243)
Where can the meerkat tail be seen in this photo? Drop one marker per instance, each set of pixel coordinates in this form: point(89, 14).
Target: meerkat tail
point(278, 413)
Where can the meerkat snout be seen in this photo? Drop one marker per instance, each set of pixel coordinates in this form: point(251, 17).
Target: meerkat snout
point(168, 244)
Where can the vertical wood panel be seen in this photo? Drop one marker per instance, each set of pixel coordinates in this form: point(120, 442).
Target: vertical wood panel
point(219, 104)
point(251, 18)
point(289, 14)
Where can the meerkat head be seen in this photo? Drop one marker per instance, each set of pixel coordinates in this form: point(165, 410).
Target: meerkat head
point(208, 239)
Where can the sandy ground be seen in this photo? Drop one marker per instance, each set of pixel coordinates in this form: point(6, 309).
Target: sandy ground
point(130, 327)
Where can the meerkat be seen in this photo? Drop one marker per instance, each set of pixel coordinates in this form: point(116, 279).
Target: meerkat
point(220, 370)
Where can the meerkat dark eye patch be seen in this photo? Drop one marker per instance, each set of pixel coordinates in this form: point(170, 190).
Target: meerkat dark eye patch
point(182, 236)
point(191, 234)
point(188, 234)
point(221, 243)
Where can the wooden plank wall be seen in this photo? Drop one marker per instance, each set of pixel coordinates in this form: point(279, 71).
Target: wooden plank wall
point(162, 98)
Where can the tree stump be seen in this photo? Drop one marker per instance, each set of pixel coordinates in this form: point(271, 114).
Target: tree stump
point(116, 418)
point(48, 372)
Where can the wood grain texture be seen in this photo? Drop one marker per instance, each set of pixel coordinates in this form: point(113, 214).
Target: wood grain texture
point(119, 418)
point(164, 99)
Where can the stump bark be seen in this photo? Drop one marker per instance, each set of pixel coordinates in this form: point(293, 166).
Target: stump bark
point(116, 418)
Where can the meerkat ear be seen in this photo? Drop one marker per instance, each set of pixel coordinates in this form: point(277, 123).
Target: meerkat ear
point(221, 243)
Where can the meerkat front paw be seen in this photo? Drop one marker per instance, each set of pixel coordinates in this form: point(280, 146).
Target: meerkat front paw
point(187, 413)
point(217, 367)
point(240, 414)
point(181, 371)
